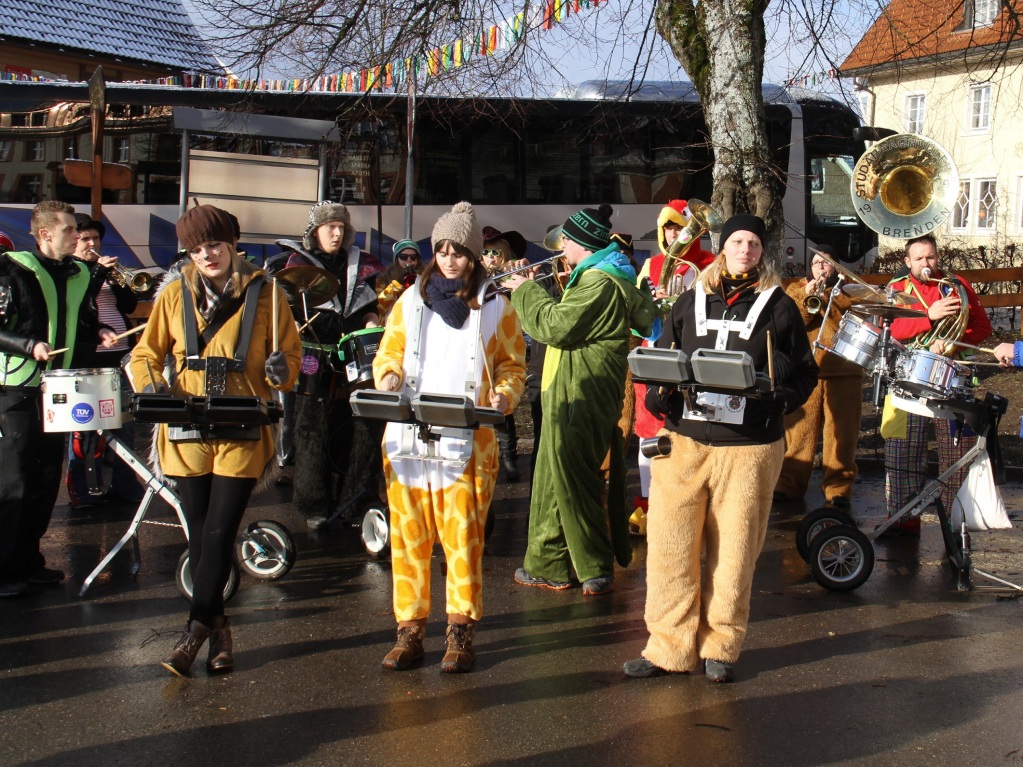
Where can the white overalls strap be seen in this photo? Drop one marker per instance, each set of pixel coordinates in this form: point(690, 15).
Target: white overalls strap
point(724, 327)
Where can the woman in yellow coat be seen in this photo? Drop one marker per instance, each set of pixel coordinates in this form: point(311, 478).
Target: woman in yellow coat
point(445, 336)
point(214, 471)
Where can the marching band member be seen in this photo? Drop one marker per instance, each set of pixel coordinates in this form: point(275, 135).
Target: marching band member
point(836, 404)
point(947, 320)
point(440, 339)
point(710, 499)
point(673, 218)
point(399, 276)
point(43, 306)
point(330, 435)
point(219, 300)
point(583, 385)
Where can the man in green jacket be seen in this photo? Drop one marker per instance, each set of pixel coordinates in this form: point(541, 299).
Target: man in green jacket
point(582, 390)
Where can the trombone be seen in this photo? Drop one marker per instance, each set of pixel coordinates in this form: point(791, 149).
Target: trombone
point(135, 281)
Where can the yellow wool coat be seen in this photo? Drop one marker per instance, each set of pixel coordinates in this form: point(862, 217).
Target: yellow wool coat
point(165, 334)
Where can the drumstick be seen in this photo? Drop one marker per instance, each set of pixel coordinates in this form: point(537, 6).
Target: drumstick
point(971, 346)
point(486, 364)
point(309, 322)
point(275, 312)
point(978, 364)
point(118, 337)
point(770, 359)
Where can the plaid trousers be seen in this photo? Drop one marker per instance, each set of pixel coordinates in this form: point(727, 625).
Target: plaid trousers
point(906, 461)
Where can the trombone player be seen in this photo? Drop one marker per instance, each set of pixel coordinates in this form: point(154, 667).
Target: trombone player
point(834, 407)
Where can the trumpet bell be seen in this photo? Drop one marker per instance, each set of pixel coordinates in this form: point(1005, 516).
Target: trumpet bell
point(705, 216)
point(904, 186)
point(554, 240)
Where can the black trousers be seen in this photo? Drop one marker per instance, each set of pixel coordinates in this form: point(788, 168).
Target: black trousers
point(30, 474)
point(214, 507)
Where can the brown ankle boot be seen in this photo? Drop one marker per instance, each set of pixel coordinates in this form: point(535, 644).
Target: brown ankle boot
point(460, 656)
point(407, 650)
point(220, 659)
point(183, 655)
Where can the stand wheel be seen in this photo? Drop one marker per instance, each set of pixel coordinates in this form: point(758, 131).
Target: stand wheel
point(375, 531)
point(183, 577)
point(957, 549)
point(266, 550)
point(815, 522)
point(841, 558)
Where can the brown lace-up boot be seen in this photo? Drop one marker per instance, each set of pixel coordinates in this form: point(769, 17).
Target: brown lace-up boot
point(407, 650)
point(460, 656)
point(220, 659)
point(183, 655)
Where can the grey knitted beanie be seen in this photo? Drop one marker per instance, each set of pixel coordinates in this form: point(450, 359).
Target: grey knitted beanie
point(459, 226)
point(320, 214)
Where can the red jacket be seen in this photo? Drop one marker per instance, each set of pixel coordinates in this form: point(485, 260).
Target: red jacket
point(978, 325)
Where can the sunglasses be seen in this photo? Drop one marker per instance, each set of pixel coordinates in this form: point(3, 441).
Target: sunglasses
point(493, 253)
point(408, 257)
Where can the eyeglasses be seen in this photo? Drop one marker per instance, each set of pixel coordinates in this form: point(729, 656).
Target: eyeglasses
point(493, 253)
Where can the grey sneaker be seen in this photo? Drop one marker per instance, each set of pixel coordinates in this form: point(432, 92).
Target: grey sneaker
point(522, 577)
point(596, 586)
point(641, 668)
point(719, 671)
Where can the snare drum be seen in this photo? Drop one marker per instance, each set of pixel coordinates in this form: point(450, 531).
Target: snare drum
point(856, 340)
point(81, 400)
point(320, 374)
point(357, 351)
point(927, 374)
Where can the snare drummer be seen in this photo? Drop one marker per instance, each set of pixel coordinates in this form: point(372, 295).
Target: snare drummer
point(947, 320)
point(43, 306)
point(836, 403)
point(214, 471)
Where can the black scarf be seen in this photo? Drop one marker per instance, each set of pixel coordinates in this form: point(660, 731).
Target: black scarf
point(441, 296)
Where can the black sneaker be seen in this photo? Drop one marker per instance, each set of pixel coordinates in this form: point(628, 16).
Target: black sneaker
point(525, 579)
point(839, 502)
point(13, 588)
point(45, 576)
point(602, 584)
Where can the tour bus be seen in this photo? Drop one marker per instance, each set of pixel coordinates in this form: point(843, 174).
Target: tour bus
point(524, 163)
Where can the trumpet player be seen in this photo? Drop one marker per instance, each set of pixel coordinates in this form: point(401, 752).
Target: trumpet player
point(834, 407)
point(112, 303)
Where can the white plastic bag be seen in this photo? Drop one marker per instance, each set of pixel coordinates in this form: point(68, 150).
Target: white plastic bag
point(979, 500)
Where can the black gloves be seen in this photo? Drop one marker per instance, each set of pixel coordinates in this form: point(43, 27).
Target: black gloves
point(656, 402)
point(783, 367)
point(277, 368)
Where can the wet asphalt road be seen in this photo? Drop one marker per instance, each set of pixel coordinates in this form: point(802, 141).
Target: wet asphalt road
point(903, 671)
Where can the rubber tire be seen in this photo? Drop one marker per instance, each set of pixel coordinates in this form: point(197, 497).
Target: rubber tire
point(831, 549)
point(183, 578)
point(958, 559)
point(276, 539)
point(817, 521)
point(375, 531)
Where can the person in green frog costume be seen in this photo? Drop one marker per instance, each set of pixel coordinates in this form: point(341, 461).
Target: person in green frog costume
point(576, 525)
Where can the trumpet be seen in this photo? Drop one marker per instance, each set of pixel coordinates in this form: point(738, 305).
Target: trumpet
point(136, 282)
point(814, 301)
point(557, 264)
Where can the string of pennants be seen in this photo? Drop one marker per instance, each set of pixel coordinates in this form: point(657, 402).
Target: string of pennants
point(394, 75)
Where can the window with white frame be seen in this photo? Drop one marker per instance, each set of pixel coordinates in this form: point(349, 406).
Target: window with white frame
point(961, 211)
point(987, 204)
point(985, 12)
point(122, 150)
point(915, 108)
point(980, 107)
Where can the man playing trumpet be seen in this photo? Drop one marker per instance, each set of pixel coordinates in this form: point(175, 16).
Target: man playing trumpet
point(835, 405)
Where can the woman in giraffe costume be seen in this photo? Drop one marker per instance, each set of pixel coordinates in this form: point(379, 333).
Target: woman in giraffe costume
point(448, 335)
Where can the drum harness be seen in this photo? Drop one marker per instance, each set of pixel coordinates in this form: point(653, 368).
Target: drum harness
point(217, 368)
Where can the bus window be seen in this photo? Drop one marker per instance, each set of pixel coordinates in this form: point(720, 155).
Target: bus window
point(494, 160)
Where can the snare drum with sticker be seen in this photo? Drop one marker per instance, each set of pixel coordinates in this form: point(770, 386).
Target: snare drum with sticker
point(88, 399)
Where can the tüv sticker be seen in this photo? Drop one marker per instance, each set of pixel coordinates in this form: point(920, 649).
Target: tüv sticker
point(82, 413)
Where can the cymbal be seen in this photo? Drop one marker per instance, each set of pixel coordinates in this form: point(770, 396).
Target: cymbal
point(888, 311)
point(318, 285)
point(873, 295)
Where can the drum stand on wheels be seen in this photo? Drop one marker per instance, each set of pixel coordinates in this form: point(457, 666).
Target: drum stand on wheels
point(154, 487)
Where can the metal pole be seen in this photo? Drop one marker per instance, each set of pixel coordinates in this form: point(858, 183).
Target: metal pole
point(410, 175)
point(183, 200)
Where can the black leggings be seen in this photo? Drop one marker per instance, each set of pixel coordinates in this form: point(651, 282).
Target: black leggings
point(213, 507)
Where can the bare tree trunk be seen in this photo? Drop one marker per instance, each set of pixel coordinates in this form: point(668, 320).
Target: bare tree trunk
point(721, 44)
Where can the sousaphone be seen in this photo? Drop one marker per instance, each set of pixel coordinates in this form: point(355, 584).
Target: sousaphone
point(904, 186)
